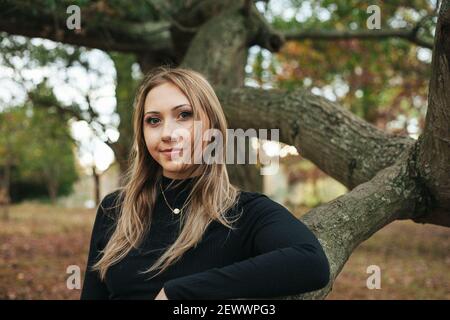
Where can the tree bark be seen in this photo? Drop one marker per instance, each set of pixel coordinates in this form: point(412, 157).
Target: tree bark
point(433, 161)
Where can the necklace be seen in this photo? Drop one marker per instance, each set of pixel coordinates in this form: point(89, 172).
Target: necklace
point(176, 210)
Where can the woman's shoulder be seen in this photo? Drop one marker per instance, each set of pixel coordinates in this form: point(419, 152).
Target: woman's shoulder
point(258, 205)
point(247, 197)
point(252, 198)
point(110, 205)
point(106, 217)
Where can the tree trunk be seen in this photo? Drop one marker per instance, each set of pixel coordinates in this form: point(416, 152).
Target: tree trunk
point(219, 52)
point(5, 190)
point(433, 162)
point(96, 177)
point(52, 188)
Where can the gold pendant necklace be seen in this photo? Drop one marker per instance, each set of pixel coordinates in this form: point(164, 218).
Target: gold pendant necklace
point(176, 210)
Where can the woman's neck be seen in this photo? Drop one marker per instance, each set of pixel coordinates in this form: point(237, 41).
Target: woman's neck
point(179, 176)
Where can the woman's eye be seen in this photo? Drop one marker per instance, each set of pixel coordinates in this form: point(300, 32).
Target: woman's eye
point(149, 120)
point(186, 113)
point(155, 121)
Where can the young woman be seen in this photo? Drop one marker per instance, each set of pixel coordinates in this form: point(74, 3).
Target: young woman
point(178, 229)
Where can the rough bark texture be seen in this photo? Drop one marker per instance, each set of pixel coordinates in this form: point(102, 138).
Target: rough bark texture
point(434, 144)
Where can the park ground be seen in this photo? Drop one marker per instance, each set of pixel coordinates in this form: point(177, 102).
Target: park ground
point(38, 242)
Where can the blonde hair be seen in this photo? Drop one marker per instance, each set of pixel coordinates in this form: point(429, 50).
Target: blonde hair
point(210, 198)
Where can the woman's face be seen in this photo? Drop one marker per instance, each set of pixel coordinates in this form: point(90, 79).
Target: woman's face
point(169, 124)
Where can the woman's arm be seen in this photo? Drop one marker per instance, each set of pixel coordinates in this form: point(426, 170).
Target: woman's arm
point(288, 260)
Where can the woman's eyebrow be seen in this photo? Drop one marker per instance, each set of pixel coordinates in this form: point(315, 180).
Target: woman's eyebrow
point(174, 108)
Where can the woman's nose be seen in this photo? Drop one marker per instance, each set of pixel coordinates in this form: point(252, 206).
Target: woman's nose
point(169, 132)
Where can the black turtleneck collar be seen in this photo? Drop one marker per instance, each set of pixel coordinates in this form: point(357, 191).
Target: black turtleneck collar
point(174, 188)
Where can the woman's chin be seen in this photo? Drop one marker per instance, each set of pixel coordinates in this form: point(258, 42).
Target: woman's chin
point(172, 166)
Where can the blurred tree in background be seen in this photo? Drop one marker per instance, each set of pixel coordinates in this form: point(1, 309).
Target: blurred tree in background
point(39, 150)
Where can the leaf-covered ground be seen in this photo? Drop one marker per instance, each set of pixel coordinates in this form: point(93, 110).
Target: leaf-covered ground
point(39, 242)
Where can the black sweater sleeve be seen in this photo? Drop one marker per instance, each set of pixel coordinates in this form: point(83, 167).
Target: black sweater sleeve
point(93, 287)
point(287, 259)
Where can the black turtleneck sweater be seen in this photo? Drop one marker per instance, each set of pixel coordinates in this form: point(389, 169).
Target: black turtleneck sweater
point(269, 254)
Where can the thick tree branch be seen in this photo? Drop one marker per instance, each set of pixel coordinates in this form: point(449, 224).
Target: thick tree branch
point(410, 34)
point(97, 31)
point(341, 144)
point(344, 223)
point(262, 33)
point(111, 38)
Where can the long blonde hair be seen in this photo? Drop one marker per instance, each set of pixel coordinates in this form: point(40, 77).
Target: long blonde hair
point(211, 195)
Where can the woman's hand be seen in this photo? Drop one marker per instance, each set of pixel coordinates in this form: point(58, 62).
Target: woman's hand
point(161, 295)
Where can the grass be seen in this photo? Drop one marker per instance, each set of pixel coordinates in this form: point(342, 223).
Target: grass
point(40, 241)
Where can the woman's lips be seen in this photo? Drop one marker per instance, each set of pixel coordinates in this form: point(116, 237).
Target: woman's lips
point(171, 152)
